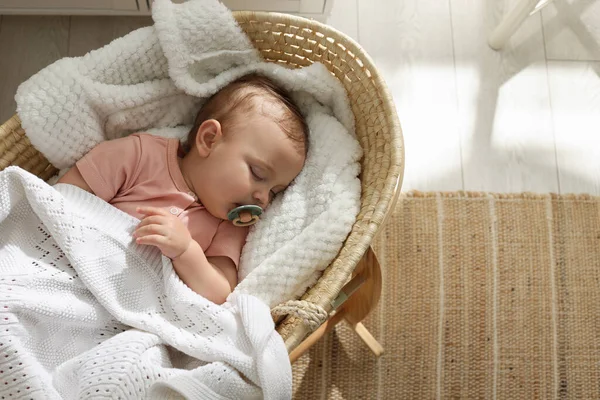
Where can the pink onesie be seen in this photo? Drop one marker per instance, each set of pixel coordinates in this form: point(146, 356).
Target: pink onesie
point(142, 170)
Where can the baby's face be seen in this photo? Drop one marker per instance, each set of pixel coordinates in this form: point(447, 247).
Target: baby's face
point(249, 164)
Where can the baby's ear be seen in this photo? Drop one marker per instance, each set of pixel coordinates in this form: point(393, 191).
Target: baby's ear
point(209, 133)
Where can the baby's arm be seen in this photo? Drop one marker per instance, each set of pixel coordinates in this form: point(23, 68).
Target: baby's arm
point(74, 177)
point(212, 278)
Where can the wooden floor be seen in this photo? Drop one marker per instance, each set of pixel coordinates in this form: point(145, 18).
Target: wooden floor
point(525, 119)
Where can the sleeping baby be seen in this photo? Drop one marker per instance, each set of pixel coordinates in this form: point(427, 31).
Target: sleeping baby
point(248, 143)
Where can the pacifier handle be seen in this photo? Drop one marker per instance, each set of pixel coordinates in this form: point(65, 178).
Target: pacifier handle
point(245, 215)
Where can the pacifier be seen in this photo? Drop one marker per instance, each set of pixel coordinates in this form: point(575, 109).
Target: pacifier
point(245, 215)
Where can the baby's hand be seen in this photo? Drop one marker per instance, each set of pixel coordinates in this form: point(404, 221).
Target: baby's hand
point(161, 229)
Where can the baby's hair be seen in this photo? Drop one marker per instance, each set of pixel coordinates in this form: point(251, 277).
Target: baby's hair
point(247, 94)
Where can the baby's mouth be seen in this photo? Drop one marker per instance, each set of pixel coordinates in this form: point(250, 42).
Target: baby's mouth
point(233, 206)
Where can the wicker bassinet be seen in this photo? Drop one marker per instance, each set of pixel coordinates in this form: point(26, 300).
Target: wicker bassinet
point(297, 42)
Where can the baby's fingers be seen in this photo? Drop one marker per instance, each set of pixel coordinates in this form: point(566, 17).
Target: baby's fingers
point(153, 240)
point(152, 211)
point(149, 230)
point(154, 219)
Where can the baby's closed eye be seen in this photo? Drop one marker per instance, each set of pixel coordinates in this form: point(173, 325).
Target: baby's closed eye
point(256, 174)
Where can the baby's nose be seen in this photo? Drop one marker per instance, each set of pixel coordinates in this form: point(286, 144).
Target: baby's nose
point(262, 198)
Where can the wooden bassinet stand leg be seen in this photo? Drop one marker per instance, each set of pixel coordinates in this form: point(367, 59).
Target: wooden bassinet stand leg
point(357, 298)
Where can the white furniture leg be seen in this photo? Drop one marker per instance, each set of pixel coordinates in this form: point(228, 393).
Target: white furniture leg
point(511, 22)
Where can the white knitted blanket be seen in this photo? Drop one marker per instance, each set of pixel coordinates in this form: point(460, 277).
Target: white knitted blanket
point(86, 313)
point(157, 77)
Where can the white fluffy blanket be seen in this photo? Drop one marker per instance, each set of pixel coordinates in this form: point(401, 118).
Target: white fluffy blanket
point(86, 313)
point(157, 77)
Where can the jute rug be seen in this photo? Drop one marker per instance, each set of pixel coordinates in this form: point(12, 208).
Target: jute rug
point(485, 296)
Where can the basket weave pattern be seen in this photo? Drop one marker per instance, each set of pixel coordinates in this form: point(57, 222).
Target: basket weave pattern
point(297, 42)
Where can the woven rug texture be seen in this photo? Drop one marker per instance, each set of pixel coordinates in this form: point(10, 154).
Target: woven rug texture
point(486, 296)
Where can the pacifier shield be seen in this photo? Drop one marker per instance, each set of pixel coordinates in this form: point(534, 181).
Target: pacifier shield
point(236, 215)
